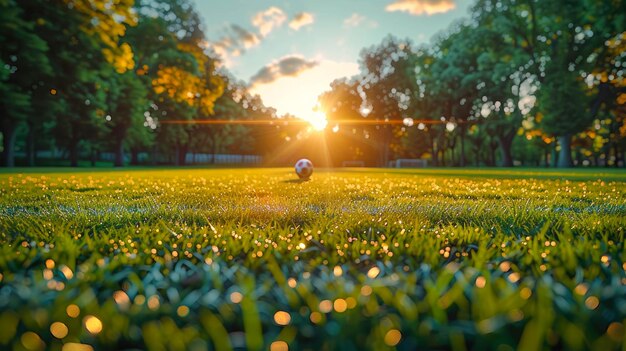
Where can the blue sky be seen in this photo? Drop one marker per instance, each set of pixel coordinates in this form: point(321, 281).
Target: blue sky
point(290, 51)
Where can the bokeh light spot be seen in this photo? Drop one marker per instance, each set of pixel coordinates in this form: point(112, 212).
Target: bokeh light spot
point(392, 338)
point(92, 324)
point(58, 330)
point(73, 311)
point(279, 346)
point(282, 318)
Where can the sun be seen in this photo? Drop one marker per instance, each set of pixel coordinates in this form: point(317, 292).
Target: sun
point(318, 120)
point(298, 95)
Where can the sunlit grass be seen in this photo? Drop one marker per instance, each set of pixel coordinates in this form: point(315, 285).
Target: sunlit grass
point(357, 259)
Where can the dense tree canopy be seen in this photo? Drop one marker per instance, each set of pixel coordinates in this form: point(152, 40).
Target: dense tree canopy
point(551, 71)
point(518, 82)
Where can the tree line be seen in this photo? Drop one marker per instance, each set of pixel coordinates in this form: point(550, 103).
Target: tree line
point(518, 82)
point(540, 82)
point(91, 76)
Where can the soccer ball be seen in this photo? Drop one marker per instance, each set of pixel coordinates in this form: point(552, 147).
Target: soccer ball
point(304, 168)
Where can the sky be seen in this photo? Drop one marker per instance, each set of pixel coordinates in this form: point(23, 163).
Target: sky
point(289, 51)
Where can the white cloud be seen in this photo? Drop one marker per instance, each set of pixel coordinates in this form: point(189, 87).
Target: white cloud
point(298, 94)
point(357, 19)
point(269, 19)
point(302, 19)
point(234, 42)
point(421, 7)
point(291, 65)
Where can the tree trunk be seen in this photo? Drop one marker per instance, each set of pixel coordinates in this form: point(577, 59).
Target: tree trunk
point(134, 157)
point(506, 142)
point(183, 155)
point(452, 160)
point(181, 152)
point(565, 155)
point(433, 152)
point(384, 147)
point(155, 154)
point(451, 144)
point(477, 157)
point(30, 146)
point(213, 150)
point(442, 158)
point(8, 143)
point(73, 150)
point(579, 158)
point(462, 160)
point(119, 153)
point(492, 154)
point(94, 157)
point(177, 155)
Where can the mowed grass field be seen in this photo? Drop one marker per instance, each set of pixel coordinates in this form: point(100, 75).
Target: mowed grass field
point(223, 259)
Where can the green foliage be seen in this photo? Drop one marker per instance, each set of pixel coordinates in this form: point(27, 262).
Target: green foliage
point(549, 68)
point(24, 62)
point(562, 94)
point(111, 70)
point(563, 101)
point(23, 66)
point(126, 104)
point(223, 259)
point(388, 84)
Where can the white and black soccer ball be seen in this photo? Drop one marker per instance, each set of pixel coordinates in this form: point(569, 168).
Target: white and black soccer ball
point(304, 168)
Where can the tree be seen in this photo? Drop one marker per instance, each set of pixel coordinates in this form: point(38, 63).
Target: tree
point(457, 74)
point(563, 97)
point(388, 84)
point(555, 43)
point(23, 63)
point(107, 23)
point(343, 105)
point(79, 66)
point(126, 103)
point(607, 76)
point(564, 103)
point(509, 66)
point(233, 105)
point(427, 105)
point(85, 37)
point(181, 76)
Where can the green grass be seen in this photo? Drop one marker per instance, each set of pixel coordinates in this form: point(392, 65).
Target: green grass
point(355, 259)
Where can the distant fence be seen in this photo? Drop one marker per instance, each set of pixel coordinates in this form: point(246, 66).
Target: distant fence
point(43, 154)
point(408, 163)
point(197, 158)
point(353, 164)
point(144, 157)
point(223, 159)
